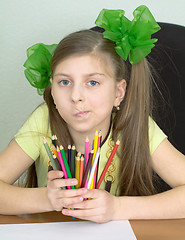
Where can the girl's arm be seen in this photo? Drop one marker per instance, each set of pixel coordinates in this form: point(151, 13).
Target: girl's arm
point(170, 165)
point(18, 200)
point(15, 200)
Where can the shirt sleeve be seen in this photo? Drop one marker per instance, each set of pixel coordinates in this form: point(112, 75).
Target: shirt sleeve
point(29, 137)
point(156, 135)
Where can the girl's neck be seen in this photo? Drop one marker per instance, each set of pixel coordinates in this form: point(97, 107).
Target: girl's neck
point(80, 137)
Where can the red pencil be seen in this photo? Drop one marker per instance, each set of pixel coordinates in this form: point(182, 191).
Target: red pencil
point(108, 163)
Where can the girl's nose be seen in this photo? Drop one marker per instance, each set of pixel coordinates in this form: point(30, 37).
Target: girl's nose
point(77, 94)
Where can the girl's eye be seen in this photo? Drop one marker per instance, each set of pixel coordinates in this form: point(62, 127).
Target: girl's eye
point(93, 83)
point(65, 82)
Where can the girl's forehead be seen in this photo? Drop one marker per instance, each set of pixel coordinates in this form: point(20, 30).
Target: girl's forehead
point(90, 61)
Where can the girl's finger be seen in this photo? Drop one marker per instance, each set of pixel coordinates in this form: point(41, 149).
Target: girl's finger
point(85, 204)
point(54, 175)
point(65, 202)
point(58, 183)
point(69, 193)
point(81, 213)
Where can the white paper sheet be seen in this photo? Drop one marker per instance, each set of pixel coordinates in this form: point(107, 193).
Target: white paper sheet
point(114, 230)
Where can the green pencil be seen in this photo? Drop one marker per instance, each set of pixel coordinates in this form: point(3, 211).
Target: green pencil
point(66, 163)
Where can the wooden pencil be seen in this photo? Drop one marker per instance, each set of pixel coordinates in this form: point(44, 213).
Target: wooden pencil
point(85, 177)
point(56, 162)
point(49, 153)
point(93, 168)
point(53, 140)
point(81, 170)
point(62, 164)
point(77, 170)
point(69, 155)
point(108, 163)
point(86, 151)
point(95, 150)
point(73, 153)
point(66, 163)
point(99, 146)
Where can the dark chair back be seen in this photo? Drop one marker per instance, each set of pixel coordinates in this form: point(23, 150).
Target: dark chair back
point(168, 61)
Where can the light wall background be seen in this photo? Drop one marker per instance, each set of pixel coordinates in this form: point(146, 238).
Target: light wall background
point(24, 23)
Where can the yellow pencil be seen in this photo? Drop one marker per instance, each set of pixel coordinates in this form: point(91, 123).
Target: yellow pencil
point(95, 150)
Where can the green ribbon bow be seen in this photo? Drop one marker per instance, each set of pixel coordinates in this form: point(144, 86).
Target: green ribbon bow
point(38, 71)
point(133, 38)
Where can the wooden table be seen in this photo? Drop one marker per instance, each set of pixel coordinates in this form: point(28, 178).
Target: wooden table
point(143, 229)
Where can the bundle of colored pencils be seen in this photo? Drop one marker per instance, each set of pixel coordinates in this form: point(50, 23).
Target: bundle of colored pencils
point(82, 167)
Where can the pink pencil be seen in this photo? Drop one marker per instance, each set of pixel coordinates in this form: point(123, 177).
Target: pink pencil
point(86, 151)
point(62, 164)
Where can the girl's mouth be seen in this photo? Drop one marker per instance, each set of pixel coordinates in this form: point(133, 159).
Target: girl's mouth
point(83, 114)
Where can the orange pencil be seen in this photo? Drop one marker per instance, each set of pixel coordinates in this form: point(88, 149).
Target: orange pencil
point(54, 151)
point(77, 171)
point(81, 170)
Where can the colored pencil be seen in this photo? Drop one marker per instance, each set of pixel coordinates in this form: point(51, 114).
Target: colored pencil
point(53, 140)
point(49, 153)
point(66, 163)
point(99, 146)
point(54, 151)
point(81, 170)
point(50, 168)
point(62, 164)
point(79, 154)
point(95, 150)
point(77, 170)
point(73, 152)
point(93, 168)
point(108, 163)
point(56, 162)
point(69, 156)
point(86, 151)
point(85, 177)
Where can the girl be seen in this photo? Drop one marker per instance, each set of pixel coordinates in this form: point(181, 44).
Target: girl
point(94, 86)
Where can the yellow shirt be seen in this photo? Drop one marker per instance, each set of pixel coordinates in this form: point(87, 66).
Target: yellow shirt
point(29, 138)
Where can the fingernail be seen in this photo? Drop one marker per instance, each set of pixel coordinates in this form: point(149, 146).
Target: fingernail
point(65, 211)
point(80, 199)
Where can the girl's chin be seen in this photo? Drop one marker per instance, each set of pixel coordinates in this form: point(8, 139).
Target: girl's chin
point(82, 129)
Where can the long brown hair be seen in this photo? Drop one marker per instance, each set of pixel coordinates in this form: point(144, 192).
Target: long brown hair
point(135, 174)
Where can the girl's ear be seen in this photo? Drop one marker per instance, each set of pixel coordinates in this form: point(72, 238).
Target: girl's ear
point(120, 92)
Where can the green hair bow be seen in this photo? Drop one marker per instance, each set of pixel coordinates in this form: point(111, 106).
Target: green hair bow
point(133, 38)
point(38, 71)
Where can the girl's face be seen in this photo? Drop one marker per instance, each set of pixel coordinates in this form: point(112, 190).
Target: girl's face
point(85, 91)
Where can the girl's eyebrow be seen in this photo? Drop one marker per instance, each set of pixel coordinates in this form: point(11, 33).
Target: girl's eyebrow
point(90, 74)
point(61, 74)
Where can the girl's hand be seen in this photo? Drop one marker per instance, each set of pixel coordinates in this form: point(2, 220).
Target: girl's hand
point(100, 206)
point(62, 198)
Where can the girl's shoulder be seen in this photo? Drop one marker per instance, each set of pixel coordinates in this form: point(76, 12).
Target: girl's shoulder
point(29, 137)
point(38, 121)
point(40, 111)
point(156, 135)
